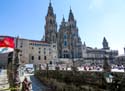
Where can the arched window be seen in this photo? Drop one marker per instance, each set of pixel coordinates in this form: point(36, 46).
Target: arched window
point(50, 21)
point(65, 36)
point(65, 43)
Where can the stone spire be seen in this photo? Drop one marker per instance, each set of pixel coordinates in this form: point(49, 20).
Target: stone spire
point(63, 22)
point(50, 9)
point(50, 26)
point(84, 44)
point(63, 19)
point(71, 16)
point(105, 44)
point(43, 39)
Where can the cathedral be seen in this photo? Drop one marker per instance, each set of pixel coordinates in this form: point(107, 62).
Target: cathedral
point(60, 45)
point(68, 42)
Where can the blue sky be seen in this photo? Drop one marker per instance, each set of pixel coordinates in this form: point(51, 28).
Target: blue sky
point(95, 19)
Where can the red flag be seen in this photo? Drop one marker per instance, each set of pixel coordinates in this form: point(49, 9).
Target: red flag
point(7, 42)
point(7, 45)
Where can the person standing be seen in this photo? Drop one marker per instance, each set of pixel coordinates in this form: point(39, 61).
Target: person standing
point(26, 85)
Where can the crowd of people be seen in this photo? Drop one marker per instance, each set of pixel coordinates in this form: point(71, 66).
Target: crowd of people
point(81, 68)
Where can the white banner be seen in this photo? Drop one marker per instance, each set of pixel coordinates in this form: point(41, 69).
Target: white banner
point(5, 50)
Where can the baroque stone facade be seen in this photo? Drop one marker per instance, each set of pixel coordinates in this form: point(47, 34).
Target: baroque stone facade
point(50, 26)
point(96, 56)
point(67, 38)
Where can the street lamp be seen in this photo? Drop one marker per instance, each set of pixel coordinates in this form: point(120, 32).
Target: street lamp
point(109, 78)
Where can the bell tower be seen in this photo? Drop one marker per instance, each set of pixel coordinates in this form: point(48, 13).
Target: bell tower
point(50, 26)
point(105, 44)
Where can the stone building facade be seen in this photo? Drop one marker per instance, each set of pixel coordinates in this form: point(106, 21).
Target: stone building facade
point(97, 56)
point(33, 52)
point(120, 59)
point(67, 38)
point(37, 52)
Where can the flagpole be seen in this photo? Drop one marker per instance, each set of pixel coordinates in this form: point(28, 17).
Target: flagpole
point(16, 66)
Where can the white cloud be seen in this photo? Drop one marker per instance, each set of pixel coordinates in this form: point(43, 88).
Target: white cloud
point(96, 4)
